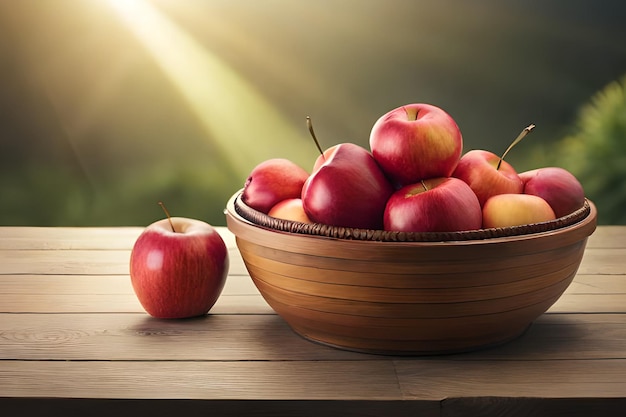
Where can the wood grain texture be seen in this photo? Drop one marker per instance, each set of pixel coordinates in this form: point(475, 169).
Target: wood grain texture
point(510, 378)
point(136, 336)
point(607, 237)
point(85, 238)
point(81, 262)
point(410, 297)
point(219, 380)
point(128, 337)
point(108, 294)
point(75, 341)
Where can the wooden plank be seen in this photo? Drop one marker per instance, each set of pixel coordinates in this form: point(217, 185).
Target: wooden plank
point(603, 261)
point(108, 294)
point(242, 380)
point(598, 284)
point(607, 236)
point(82, 262)
point(120, 303)
point(440, 378)
point(56, 238)
point(65, 262)
point(26, 285)
point(267, 337)
point(128, 337)
point(590, 303)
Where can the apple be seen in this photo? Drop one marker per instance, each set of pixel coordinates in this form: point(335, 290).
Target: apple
point(290, 209)
point(322, 157)
point(178, 267)
point(416, 142)
point(349, 189)
point(559, 187)
point(433, 205)
point(272, 181)
point(488, 175)
point(505, 210)
point(319, 161)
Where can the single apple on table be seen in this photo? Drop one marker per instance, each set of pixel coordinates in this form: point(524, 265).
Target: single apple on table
point(290, 209)
point(506, 210)
point(415, 142)
point(178, 267)
point(559, 187)
point(272, 181)
point(433, 205)
point(349, 189)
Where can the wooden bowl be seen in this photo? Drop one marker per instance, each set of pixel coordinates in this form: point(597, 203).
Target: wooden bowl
point(409, 294)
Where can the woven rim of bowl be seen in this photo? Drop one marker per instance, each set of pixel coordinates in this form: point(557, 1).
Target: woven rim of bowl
point(317, 229)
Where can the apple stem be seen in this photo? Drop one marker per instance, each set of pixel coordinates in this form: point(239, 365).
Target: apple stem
point(424, 185)
point(521, 136)
point(309, 124)
point(169, 218)
point(408, 115)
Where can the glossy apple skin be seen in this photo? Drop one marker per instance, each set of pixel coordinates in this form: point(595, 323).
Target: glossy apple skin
point(290, 209)
point(559, 187)
point(272, 181)
point(182, 274)
point(416, 142)
point(445, 205)
point(478, 169)
point(349, 189)
point(319, 161)
point(505, 210)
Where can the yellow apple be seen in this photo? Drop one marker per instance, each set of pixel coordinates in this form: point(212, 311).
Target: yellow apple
point(504, 210)
point(290, 209)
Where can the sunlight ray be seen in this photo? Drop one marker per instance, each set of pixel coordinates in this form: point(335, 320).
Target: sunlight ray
point(234, 114)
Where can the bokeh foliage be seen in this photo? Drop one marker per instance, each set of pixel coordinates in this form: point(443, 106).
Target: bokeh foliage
point(93, 131)
point(595, 151)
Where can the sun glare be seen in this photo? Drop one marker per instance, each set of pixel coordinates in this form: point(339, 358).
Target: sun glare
point(235, 115)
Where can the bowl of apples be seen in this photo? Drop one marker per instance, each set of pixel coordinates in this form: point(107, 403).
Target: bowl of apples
point(411, 247)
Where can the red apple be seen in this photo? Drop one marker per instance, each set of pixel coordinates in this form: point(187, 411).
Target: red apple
point(504, 210)
point(322, 158)
point(290, 209)
point(349, 189)
point(559, 187)
point(181, 273)
point(272, 181)
point(479, 169)
point(433, 205)
point(415, 142)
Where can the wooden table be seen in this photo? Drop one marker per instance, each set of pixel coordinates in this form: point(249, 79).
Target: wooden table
point(75, 341)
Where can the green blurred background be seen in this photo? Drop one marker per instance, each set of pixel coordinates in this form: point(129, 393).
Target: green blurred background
point(109, 106)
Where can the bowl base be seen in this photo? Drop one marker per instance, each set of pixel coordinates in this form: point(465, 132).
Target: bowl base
point(415, 348)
